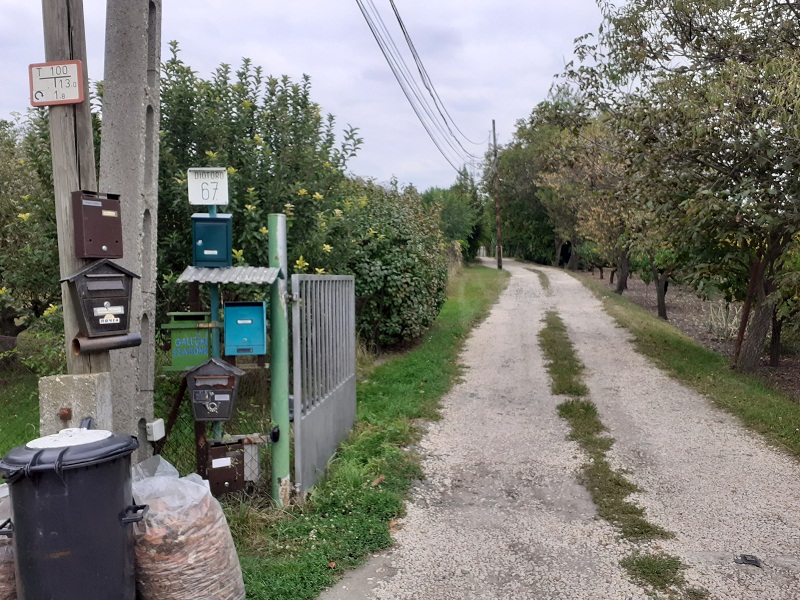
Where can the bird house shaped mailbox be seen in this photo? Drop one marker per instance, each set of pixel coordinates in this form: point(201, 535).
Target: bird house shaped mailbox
point(245, 328)
point(212, 240)
point(102, 291)
point(97, 221)
point(212, 390)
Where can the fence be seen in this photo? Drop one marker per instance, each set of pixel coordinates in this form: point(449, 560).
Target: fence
point(324, 365)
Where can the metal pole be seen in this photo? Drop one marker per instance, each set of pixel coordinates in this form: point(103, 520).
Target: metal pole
point(213, 290)
point(497, 200)
point(279, 363)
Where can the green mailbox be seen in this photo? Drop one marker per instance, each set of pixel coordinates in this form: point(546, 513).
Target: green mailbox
point(190, 334)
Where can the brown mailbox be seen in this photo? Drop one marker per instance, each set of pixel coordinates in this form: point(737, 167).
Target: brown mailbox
point(98, 225)
point(102, 290)
point(225, 468)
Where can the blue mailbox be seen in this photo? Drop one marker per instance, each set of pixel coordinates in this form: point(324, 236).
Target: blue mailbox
point(245, 328)
point(212, 240)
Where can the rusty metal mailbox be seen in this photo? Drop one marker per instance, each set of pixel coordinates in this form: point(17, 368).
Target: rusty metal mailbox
point(225, 467)
point(102, 290)
point(212, 390)
point(97, 220)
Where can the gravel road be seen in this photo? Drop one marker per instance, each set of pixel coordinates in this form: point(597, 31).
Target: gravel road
point(500, 515)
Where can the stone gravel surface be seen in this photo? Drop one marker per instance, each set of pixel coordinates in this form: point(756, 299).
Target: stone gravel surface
point(501, 516)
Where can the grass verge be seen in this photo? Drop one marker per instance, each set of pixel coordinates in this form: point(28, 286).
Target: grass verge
point(297, 552)
point(658, 573)
point(760, 408)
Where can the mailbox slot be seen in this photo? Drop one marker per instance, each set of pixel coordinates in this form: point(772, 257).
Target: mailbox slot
point(212, 240)
point(97, 220)
point(245, 328)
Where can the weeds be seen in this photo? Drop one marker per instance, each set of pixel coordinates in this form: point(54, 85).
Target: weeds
point(608, 488)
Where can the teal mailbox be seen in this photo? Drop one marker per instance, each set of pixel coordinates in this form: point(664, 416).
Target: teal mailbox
point(212, 240)
point(245, 328)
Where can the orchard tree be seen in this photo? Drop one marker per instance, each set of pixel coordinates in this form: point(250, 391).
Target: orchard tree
point(704, 94)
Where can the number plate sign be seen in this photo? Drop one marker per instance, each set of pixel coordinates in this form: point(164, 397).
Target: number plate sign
point(56, 83)
point(208, 186)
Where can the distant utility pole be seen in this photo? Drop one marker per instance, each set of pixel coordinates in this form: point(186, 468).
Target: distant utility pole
point(499, 251)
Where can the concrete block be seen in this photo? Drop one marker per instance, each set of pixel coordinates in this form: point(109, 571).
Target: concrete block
point(83, 396)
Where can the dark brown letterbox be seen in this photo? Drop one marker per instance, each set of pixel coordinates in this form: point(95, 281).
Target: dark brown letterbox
point(225, 468)
point(102, 290)
point(98, 225)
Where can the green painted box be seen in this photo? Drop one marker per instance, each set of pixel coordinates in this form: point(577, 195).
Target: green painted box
point(190, 339)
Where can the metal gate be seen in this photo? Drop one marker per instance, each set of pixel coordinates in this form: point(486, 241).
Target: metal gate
point(324, 370)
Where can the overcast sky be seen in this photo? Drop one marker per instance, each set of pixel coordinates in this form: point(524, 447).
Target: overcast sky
point(488, 59)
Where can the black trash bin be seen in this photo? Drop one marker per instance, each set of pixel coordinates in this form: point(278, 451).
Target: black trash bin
point(73, 508)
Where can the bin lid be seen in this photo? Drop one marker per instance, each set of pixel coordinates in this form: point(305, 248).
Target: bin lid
point(70, 448)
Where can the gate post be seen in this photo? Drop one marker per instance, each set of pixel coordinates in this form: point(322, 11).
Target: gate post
point(279, 361)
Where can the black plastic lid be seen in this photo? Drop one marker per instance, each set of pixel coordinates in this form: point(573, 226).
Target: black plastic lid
point(71, 448)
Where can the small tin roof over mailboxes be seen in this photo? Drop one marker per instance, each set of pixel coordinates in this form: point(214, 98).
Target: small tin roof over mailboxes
point(104, 266)
point(240, 275)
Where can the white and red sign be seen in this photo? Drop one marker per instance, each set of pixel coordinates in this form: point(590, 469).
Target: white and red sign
point(55, 83)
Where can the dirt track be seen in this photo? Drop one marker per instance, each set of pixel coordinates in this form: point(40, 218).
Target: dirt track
point(500, 515)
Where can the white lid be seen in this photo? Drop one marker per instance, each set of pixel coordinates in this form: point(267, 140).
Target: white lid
point(72, 436)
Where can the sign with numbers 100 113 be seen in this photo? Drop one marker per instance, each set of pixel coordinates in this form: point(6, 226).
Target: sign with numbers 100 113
point(55, 83)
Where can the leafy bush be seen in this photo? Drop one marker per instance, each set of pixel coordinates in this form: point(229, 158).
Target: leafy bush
point(391, 242)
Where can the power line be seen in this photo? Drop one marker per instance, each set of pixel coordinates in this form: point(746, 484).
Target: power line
point(426, 80)
point(439, 128)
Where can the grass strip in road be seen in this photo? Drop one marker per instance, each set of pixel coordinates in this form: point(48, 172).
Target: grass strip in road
point(659, 573)
point(544, 280)
point(297, 552)
point(609, 488)
point(760, 408)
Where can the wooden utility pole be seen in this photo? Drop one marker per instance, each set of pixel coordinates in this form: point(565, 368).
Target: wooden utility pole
point(499, 250)
point(72, 146)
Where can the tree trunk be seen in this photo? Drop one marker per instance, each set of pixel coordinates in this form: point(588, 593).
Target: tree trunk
point(660, 279)
point(601, 273)
point(557, 258)
point(622, 278)
point(753, 345)
point(572, 265)
point(775, 341)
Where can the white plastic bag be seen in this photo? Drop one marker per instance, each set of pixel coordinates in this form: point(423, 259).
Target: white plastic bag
point(8, 582)
point(184, 548)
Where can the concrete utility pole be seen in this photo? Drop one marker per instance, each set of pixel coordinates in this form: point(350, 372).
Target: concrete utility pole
point(499, 251)
point(86, 391)
point(129, 167)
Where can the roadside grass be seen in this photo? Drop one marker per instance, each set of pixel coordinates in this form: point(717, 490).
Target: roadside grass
point(609, 489)
point(296, 552)
point(759, 407)
point(19, 405)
